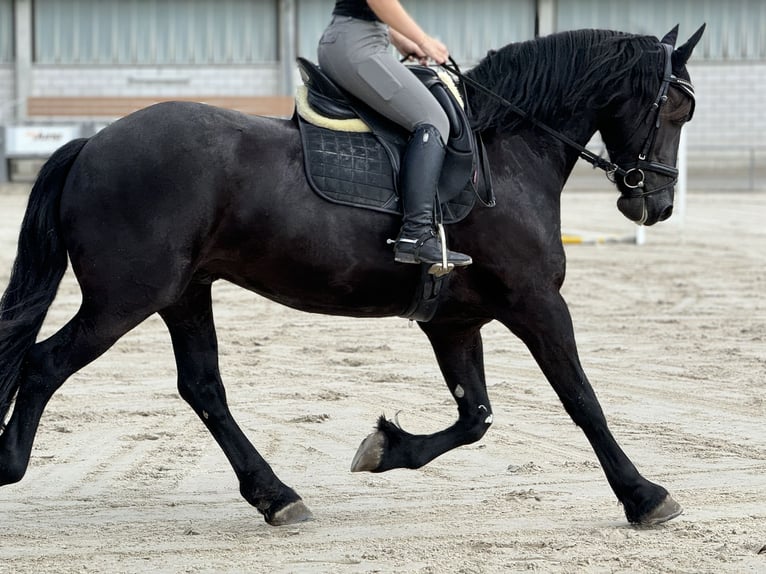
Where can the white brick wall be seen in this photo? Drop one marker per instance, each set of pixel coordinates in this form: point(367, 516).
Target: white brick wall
point(731, 107)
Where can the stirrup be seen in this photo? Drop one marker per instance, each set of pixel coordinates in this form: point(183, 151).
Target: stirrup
point(441, 269)
point(440, 261)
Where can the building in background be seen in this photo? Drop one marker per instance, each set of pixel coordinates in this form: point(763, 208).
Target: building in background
point(72, 66)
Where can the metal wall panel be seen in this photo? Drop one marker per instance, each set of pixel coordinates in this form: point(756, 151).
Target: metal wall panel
point(312, 17)
point(468, 28)
point(6, 31)
point(155, 32)
point(736, 29)
point(472, 28)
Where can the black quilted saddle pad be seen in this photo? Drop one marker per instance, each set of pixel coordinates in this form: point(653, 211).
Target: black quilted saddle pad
point(355, 169)
point(350, 168)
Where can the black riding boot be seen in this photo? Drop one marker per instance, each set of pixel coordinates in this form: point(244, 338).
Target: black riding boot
point(421, 168)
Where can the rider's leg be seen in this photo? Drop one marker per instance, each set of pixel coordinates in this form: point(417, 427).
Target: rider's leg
point(421, 167)
point(356, 55)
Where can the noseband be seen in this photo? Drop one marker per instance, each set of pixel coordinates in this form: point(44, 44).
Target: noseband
point(633, 174)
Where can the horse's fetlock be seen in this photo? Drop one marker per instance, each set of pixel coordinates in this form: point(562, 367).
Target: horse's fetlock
point(486, 414)
point(477, 425)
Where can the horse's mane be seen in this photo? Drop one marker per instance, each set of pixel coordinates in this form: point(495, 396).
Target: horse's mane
point(549, 77)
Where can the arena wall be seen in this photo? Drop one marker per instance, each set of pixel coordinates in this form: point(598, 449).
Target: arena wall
point(51, 73)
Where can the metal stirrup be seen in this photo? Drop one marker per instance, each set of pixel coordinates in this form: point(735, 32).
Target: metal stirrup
point(445, 266)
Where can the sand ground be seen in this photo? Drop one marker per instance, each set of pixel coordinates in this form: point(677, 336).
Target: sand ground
point(671, 333)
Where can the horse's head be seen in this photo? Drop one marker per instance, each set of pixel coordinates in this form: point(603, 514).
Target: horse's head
point(645, 152)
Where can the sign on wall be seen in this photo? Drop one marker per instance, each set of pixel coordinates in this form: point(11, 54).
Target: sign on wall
point(37, 141)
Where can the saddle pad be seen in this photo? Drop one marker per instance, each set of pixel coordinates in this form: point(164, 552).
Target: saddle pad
point(304, 110)
point(349, 167)
point(354, 169)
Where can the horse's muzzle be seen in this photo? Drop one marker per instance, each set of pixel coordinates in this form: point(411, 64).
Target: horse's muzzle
point(647, 209)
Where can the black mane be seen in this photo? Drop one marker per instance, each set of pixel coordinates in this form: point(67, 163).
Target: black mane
point(553, 76)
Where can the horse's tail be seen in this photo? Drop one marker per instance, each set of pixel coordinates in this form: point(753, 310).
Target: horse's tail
point(40, 264)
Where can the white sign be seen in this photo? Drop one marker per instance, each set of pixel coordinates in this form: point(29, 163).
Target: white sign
point(37, 141)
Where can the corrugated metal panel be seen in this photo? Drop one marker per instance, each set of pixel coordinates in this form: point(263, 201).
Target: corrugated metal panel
point(155, 31)
point(312, 18)
point(468, 29)
point(471, 28)
point(6, 31)
point(736, 29)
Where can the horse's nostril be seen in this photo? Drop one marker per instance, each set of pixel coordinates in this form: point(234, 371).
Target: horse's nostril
point(667, 212)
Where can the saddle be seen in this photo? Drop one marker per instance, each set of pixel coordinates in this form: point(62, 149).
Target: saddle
point(352, 154)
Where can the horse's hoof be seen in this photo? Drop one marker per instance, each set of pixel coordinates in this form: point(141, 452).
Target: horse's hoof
point(666, 510)
point(370, 453)
point(291, 514)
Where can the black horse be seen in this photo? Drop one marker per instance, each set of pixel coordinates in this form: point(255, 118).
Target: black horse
point(157, 206)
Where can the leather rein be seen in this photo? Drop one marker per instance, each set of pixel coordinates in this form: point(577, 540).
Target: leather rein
point(633, 173)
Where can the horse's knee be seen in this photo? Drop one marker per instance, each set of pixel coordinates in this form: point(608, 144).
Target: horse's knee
point(203, 395)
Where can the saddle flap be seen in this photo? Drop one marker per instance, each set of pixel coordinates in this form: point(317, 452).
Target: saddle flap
point(323, 94)
point(329, 107)
point(316, 80)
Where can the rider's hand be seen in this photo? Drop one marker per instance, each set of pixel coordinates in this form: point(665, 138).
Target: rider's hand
point(434, 49)
point(408, 48)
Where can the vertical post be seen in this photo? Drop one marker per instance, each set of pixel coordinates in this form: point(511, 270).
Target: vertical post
point(546, 17)
point(640, 234)
point(23, 46)
point(287, 51)
point(679, 213)
point(751, 172)
point(679, 207)
point(3, 159)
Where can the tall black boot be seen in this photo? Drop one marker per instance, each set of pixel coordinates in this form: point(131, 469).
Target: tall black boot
point(421, 168)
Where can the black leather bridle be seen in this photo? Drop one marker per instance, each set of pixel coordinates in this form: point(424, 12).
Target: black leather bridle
point(633, 174)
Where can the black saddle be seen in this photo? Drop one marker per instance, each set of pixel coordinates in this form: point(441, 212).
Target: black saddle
point(362, 169)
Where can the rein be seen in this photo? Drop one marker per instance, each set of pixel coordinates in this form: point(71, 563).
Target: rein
point(611, 169)
point(587, 155)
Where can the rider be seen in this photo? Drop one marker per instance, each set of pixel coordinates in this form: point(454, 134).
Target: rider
point(354, 52)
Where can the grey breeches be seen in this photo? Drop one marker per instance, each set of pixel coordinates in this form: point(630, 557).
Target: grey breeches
point(356, 54)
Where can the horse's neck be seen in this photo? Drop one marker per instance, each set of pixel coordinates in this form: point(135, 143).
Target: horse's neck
point(531, 148)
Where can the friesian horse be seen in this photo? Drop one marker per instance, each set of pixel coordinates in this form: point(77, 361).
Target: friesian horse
point(163, 202)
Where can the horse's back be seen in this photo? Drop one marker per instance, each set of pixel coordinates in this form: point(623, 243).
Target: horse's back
point(182, 189)
point(170, 158)
point(179, 141)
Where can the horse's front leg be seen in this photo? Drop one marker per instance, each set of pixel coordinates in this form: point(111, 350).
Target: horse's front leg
point(459, 354)
point(545, 325)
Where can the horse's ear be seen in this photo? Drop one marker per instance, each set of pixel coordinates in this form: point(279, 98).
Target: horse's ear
point(671, 37)
point(682, 54)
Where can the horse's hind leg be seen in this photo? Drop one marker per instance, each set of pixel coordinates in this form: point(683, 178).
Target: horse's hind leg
point(190, 322)
point(48, 364)
point(460, 356)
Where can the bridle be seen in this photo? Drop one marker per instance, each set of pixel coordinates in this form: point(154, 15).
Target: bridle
point(633, 174)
